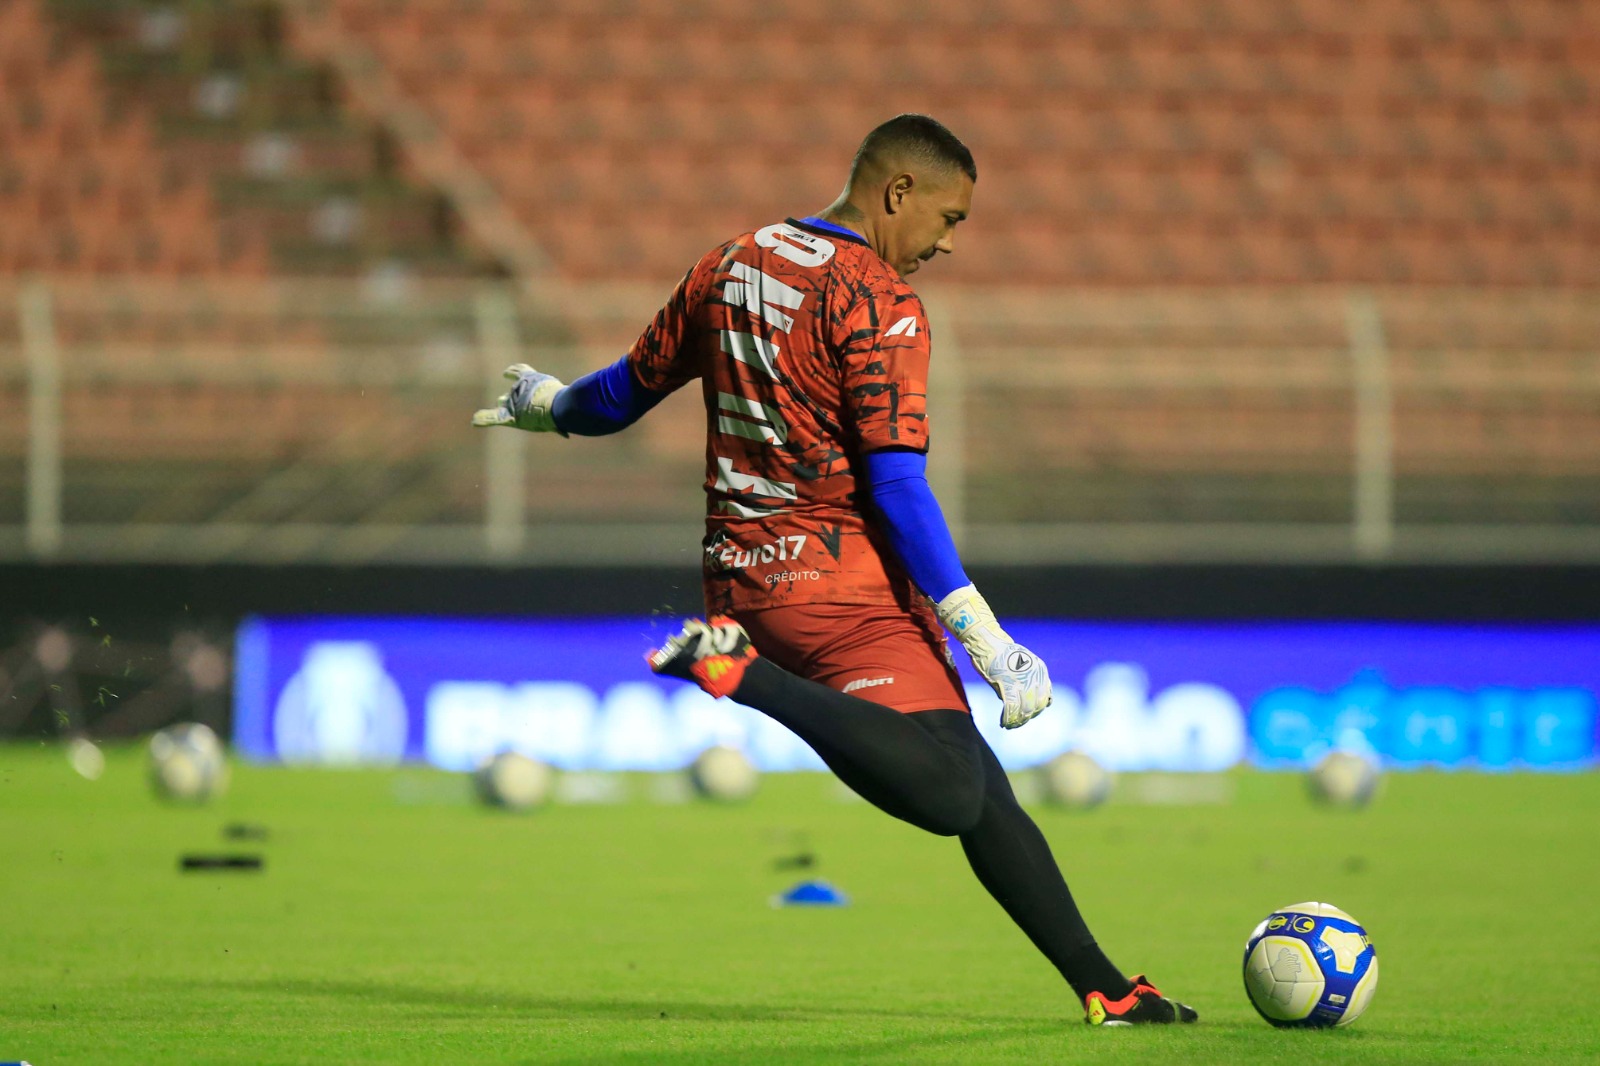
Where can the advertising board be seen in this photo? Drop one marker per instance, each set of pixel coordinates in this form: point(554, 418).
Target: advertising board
point(1179, 697)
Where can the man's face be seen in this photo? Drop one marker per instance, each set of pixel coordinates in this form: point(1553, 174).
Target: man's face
point(924, 221)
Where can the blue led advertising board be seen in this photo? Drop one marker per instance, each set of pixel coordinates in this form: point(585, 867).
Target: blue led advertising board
point(1184, 697)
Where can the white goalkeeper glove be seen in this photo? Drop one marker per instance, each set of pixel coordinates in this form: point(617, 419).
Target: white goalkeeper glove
point(1017, 676)
point(528, 404)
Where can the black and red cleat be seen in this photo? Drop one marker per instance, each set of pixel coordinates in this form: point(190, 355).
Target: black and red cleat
point(713, 654)
point(1145, 1005)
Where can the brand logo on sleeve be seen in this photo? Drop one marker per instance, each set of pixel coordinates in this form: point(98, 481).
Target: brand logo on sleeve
point(906, 327)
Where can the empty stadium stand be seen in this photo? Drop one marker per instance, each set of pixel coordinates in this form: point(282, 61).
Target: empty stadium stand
point(185, 140)
point(82, 192)
point(1176, 200)
point(1176, 142)
point(1241, 402)
point(1156, 142)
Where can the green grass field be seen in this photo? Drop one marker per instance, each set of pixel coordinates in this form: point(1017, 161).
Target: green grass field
point(396, 922)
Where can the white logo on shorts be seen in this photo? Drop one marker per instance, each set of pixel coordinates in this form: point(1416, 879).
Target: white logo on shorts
point(867, 682)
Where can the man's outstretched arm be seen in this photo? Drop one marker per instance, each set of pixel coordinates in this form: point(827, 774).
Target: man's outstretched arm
point(915, 525)
point(598, 403)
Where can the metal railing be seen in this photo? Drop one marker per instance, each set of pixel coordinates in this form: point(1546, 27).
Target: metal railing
point(296, 421)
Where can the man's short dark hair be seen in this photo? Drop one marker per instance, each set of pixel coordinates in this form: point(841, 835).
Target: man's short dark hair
point(919, 137)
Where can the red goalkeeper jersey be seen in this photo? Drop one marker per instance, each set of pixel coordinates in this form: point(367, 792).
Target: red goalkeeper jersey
point(810, 351)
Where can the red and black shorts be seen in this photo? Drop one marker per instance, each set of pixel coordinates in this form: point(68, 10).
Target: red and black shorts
point(885, 654)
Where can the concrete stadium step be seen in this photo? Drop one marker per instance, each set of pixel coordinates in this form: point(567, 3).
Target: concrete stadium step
point(295, 176)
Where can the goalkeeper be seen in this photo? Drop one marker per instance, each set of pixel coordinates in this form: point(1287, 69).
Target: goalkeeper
point(830, 574)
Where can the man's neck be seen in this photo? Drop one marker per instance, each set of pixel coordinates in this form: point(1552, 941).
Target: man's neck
point(847, 215)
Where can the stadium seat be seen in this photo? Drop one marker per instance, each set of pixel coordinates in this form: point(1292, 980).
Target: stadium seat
point(1274, 110)
point(1122, 146)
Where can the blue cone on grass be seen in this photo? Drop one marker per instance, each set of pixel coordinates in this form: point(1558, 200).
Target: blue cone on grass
point(811, 894)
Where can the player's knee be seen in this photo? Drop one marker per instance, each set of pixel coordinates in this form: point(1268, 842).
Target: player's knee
point(957, 823)
point(960, 824)
point(953, 797)
point(959, 812)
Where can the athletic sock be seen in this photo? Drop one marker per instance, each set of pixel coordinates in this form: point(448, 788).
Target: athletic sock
point(934, 780)
point(1013, 861)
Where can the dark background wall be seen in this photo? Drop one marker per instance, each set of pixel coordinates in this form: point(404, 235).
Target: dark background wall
point(151, 598)
point(121, 650)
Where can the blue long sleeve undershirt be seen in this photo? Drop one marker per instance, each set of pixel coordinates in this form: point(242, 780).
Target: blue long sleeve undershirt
point(603, 402)
point(914, 522)
point(611, 399)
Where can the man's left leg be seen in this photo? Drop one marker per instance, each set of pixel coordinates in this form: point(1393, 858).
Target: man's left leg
point(1004, 846)
point(1013, 861)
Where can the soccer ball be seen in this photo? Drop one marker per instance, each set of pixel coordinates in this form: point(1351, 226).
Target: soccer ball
point(1343, 779)
point(1075, 780)
point(513, 781)
point(86, 757)
point(1310, 966)
point(187, 763)
point(723, 773)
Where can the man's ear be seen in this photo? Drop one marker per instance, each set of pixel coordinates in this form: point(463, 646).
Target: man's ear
point(895, 192)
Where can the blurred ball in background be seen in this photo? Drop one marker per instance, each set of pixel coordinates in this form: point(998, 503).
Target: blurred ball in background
point(514, 781)
point(1344, 779)
point(724, 774)
point(86, 758)
point(1074, 780)
point(188, 764)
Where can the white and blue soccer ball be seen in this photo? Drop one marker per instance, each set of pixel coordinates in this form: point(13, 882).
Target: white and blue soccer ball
point(187, 763)
point(514, 781)
point(1310, 966)
point(1074, 780)
point(724, 774)
point(1344, 779)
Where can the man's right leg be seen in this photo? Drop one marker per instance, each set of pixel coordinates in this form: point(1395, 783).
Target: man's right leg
point(932, 779)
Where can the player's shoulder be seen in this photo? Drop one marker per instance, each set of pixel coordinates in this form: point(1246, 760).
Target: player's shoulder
point(716, 258)
point(861, 274)
point(872, 289)
point(857, 273)
point(874, 274)
point(836, 264)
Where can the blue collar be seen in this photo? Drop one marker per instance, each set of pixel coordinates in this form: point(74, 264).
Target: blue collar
point(813, 222)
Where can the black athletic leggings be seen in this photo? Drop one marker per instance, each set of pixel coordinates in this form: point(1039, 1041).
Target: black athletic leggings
point(934, 770)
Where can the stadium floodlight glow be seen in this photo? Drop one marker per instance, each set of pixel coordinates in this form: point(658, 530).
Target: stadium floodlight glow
point(202, 662)
point(53, 650)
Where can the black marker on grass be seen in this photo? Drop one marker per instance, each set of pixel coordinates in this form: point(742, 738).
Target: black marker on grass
point(192, 862)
